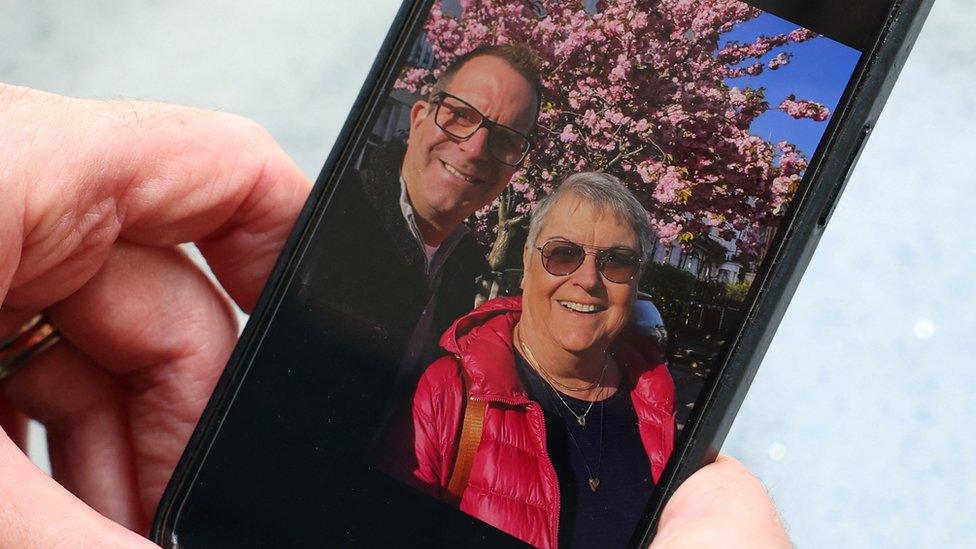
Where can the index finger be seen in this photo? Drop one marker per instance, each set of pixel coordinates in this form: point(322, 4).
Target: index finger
point(80, 174)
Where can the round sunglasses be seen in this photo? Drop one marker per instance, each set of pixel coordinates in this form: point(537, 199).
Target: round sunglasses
point(616, 264)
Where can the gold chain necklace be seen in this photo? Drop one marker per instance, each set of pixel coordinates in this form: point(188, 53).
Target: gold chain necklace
point(580, 418)
point(531, 357)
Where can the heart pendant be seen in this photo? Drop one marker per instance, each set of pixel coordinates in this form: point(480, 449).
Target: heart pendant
point(582, 421)
point(594, 484)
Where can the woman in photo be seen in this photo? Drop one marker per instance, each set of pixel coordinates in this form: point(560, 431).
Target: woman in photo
point(546, 419)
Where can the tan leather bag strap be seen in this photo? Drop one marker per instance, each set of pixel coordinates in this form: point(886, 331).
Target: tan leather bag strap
point(472, 425)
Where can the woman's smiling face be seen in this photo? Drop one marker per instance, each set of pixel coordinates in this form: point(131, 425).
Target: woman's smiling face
point(582, 311)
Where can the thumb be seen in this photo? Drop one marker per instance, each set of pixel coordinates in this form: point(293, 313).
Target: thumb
point(38, 512)
point(721, 505)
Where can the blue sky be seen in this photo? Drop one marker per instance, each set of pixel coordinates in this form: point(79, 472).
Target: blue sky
point(819, 71)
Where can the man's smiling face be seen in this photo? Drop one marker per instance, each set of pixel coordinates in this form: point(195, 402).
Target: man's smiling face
point(448, 179)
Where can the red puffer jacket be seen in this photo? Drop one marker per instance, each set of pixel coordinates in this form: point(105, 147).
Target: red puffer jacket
point(512, 484)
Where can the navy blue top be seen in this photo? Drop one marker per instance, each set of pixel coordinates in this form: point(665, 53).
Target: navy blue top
point(606, 517)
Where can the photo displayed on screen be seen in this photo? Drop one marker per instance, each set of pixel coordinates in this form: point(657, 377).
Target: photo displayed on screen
point(559, 213)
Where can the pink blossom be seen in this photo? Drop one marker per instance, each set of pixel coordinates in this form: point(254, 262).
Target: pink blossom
point(802, 108)
point(801, 35)
point(781, 59)
point(735, 52)
point(650, 171)
point(667, 232)
point(736, 97)
point(589, 117)
point(568, 135)
point(785, 184)
point(754, 69)
point(668, 185)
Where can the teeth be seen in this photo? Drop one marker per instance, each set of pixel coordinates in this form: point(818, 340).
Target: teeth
point(456, 173)
point(579, 307)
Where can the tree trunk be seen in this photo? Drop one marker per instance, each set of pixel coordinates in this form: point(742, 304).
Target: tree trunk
point(506, 250)
point(503, 248)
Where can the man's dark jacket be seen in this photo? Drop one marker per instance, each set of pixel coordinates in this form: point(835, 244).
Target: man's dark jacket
point(366, 269)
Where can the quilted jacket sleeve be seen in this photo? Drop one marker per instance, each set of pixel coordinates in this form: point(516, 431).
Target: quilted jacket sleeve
point(436, 417)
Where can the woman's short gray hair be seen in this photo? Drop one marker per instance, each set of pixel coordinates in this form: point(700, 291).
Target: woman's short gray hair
point(603, 191)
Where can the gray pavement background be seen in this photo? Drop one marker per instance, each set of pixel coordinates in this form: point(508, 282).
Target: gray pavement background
point(860, 419)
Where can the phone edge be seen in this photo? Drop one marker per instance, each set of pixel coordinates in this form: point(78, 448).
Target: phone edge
point(711, 422)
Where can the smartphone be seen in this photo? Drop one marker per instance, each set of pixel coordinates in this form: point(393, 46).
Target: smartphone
point(538, 271)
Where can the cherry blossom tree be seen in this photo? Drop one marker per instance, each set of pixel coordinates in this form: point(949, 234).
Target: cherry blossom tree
point(638, 88)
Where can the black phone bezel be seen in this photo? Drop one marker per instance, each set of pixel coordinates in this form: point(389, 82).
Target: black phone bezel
point(733, 372)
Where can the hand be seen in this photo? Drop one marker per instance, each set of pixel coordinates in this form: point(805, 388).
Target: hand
point(96, 198)
point(722, 505)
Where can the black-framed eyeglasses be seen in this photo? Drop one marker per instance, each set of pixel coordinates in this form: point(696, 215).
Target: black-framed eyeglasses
point(616, 264)
point(457, 118)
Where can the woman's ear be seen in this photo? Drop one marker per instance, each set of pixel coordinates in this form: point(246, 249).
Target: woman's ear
point(526, 257)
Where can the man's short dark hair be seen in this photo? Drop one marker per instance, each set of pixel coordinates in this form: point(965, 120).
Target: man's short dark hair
point(521, 57)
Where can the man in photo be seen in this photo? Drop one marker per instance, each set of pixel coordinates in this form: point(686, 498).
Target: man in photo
point(395, 260)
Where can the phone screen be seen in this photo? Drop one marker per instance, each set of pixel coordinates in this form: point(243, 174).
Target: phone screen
point(439, 298)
